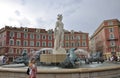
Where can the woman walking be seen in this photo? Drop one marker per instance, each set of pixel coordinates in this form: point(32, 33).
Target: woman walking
point(33, 68)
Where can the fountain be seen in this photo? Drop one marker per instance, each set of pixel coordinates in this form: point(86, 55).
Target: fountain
point(59, 55)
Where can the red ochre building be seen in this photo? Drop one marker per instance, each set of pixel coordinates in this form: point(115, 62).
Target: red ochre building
point(14, 41)
point(107, 38)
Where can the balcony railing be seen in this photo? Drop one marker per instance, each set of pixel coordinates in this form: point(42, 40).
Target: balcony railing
point(112, 46)
point(13, 54)
point(110, 39)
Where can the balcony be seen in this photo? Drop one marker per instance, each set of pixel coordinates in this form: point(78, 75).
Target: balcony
point(13, 54)
point(112, 46)
point(111, 39)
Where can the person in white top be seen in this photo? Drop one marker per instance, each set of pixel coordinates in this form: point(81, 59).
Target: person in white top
point(33, 68)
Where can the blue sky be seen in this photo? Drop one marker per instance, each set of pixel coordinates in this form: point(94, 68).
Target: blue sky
point(78, 15)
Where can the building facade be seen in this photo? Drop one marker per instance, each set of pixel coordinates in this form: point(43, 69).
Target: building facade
point(107, 37)
point(14, 41)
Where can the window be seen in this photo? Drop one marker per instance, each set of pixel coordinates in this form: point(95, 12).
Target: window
point(18, 51)
point(37, 44)
point(31, 36)
point(43, 44)
point(43, 37)
point(72, 44)
point(112, 43)
point(72, 37)
point(18, 35)
point(67, 44)
point(66, 37)
point(11, 51)
point(110, 23)
point(84, 43)
point(83, 36)
point(11, 42)
point(49, 44)
point(31, 43)
point(77, 44)
point(50, 31)
point(25, 35)
point(3, 42)
point(25, 43)
point(111, 36)
point(37, 36)
point(26, 29)
point(3, 35)
point(110, 29)
point(78, 37)
point(50, 37)
point(18, 43)
point(11, 34)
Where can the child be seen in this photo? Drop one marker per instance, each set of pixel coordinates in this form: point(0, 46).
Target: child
point(33, 68)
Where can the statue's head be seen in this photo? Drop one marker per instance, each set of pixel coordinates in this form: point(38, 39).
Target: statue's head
point(59, 16)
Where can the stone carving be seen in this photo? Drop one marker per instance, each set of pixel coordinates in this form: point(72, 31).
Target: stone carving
point(22, 59)
point(58, 34)
point(71, 59)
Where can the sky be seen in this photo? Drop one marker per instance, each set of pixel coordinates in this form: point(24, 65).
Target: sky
point(78, 15)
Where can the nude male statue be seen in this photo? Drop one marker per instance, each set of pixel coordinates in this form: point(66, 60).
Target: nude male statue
point(58, 33)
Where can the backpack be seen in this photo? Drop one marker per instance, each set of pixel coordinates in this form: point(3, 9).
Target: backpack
point(28, 71)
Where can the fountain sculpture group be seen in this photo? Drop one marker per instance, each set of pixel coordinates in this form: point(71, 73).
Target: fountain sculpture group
point(60, 56)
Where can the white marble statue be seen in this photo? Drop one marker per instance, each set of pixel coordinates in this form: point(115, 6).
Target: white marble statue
point(58, 34)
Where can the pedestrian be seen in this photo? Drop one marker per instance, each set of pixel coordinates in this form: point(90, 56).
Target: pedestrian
point(119, 58)
point(33, 68)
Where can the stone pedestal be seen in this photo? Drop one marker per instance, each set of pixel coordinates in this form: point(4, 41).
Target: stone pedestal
point(59, 51)
point(52, 58)
point(57, 56)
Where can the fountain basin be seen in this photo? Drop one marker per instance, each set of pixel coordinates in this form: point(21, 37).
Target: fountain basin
point(110, 71)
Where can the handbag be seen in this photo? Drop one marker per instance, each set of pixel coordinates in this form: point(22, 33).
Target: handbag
point(28, 71)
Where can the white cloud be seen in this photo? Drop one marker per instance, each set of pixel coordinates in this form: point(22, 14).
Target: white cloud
point(83, 15)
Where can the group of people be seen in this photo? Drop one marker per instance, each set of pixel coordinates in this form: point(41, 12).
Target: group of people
point(114, 58)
